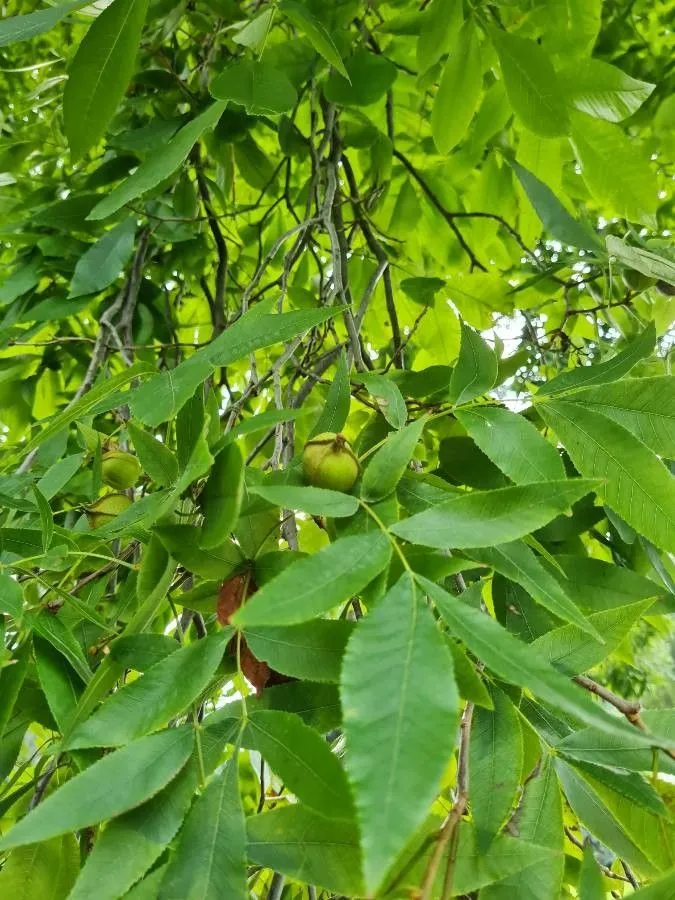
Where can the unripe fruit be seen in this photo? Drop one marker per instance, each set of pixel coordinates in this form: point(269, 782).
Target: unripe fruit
point(637, 281)
point(120, 470)
point(105, 509)
point(329, 462)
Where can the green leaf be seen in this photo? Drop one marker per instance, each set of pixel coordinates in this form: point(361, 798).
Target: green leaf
point(160, 164)
point(104, 261)
point(302, 760)
point(222, 496)
point(388, 396)
point(315, 32)
point(23, 279)
point(601, 90)
point(491, 517)
point(369, 77)
point(254, 33)
point(459, 90)
point(210, 860)
point(474, 871)
point(441, 24)
point(607, 371)
point(86, 404)
point(11, 596)
point(388, 464)
point(312, 650)
point(163, 396)
point(591, 883)
point(495, 763)
point(260, 422)
point(130, 844)
point(12, 677)
point(594, 584)
point(476, 369)
point(513, 443)
point(637, 485)
point(469, 684)
point(400, 714)
point(60, 685)
point(573, 651)
point(312, 500)
point(660, 890)
point(650, 264)
point(560, 224)
point(156, 572)
point(306, 846)
point(151, 701)
point(182, 542)
point(100, 72)
point(531, 84)
point(138, 772)
point(22, 28)
point(517, 562)
point(338, 399)
point(46, 870)
point(257, 86)
point(141, 651)
point(620, 824)
point(572, 25)
point(516, 662)
point(148, 887)
point(540, 819)
point(316, 584)
point(644, 406)
point(626, 752)
point(628, 187)
point(57, 633)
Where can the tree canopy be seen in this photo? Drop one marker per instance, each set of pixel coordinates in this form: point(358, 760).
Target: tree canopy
point(337, 512)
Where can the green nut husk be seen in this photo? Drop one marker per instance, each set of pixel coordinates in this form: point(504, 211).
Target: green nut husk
point(120, 470)
point(106, 509)
point(328, 461)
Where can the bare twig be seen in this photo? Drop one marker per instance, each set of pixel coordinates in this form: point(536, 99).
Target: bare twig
point(449, 832)
point(629, 708)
